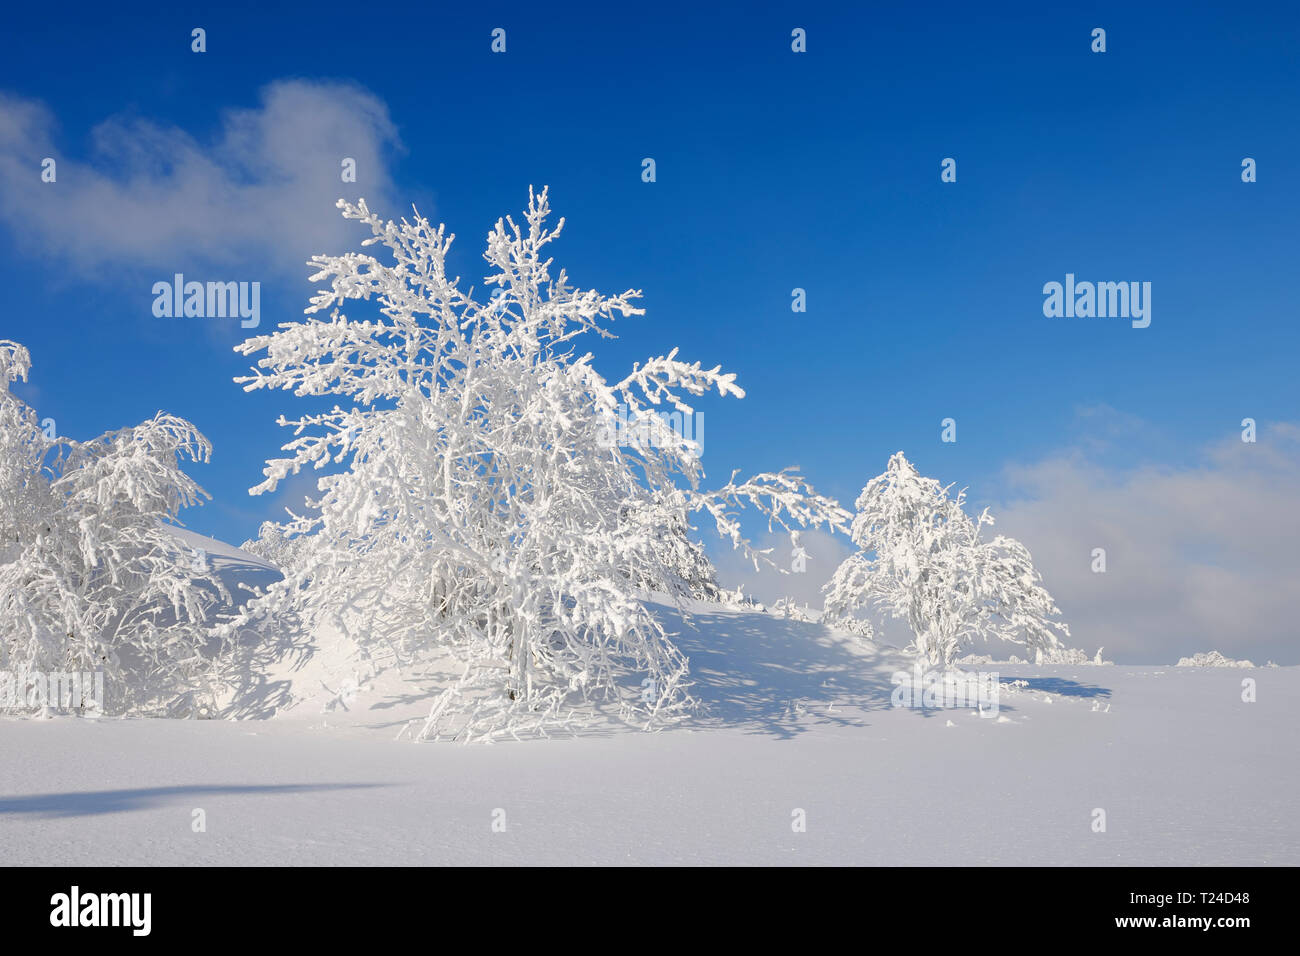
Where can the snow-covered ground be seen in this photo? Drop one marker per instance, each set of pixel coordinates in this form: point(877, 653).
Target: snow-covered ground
point(798, 719)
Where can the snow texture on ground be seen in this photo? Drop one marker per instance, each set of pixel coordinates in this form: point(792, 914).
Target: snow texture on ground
point(797, 718)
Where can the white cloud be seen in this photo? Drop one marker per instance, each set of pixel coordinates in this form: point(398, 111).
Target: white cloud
point(153, 197)
point(825, 552)
point(1199, 557)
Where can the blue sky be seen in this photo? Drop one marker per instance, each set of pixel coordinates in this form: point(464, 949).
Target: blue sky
point(775, 170)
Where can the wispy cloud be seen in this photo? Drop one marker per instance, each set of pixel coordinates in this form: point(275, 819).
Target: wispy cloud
point(1198, 557)
point(148, 196)
point(768, 584)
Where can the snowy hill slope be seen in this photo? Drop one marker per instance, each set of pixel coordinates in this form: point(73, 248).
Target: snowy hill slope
point(233, 565)
point(797, 724)
point(750, 670)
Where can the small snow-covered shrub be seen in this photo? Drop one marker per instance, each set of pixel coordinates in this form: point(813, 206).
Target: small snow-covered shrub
point(1071, 655)
point(922, 559)
point(276, 545)
point(90, 578)
point(791, 610)
point(488, 507)
point(737, 598)
point(1211, 659)
point(859, 627)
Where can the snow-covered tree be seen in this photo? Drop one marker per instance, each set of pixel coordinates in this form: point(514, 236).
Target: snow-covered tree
point(90, 578)
point(23, 483)
point(488, 507)
point(922, 559)
point(275, 544)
